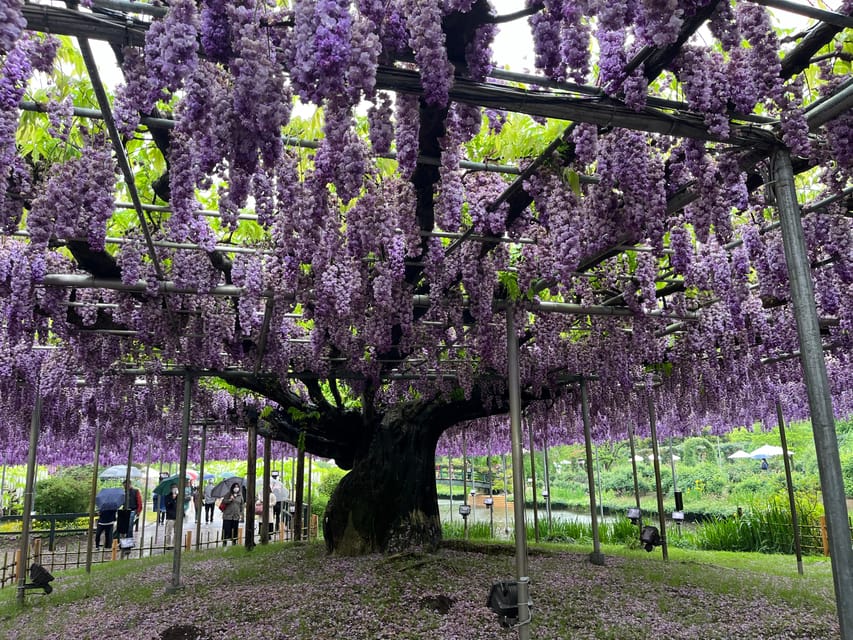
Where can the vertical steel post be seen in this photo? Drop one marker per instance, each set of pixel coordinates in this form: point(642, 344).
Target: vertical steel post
point(789, 483)
point(521, 571)
point(506, 497)
point(182, 484)
point(634, 469)
point(817, 388)
point(95, 463)
point(3, 490)
point(450, 480)
point(464, 483)
point(308, 501)
point(596, 557)
point(656, 463)
point(533, 481)
point(298, 524)
point(200, 500)
point(547, 485)
point(24, 544)
point(145, 500)
point(251, 484)
point(265, 518)
point(491, 491)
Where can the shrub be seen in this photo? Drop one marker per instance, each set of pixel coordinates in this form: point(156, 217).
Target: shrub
point(847, 473)
point(62, 494)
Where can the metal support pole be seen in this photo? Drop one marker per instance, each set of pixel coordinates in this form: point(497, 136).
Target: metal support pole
point(596, 557)
point(200, 500)
point(792, 503)
point(300, 490)
point(265, 518)
point(24, 543)
point(656, 463)
point(145, 500)
point(533, 481)
point(491, 491)
point(598, 483)
point(634, 469)
point(506, 497)
point(672, 466)
point(547, 486)
point(674, 481)
point(90, 536)
point(251, 483)
point(3, 490)
point(464, 483)
point(450, 480)
point(521, 572)
point(182, 484)
point(817, 388)
point(127, 504)
point(159, 498)
point(308, 510)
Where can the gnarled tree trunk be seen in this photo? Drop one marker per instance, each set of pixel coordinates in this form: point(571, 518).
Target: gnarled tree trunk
point(388, 502)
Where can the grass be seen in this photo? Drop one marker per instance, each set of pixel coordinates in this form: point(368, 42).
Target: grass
point(297, 591)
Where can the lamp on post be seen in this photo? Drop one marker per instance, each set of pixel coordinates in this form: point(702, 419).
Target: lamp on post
point(489, 502)
point(473, 507)
point(465, 511)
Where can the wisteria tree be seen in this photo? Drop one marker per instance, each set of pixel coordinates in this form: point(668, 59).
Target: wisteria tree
point(355, 269)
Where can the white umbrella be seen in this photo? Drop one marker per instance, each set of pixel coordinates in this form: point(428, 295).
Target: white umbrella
point(766, 451)
point(119, 471)
point(638, 458)
point(740, 453)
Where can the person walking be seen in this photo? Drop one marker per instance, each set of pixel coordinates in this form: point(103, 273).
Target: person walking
point(171, 503)
point(133, 502)
point(209, 502)
point(106, 522)
point(232, 514)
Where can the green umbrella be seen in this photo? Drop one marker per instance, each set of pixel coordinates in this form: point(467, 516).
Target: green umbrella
point(165, 486)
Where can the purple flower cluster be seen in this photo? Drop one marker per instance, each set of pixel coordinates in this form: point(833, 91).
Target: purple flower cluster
point(407, 114)
point(77, 200)
point(380, 124)
point(426, 38)
point(706, 86)
point(15, 72)
point(12, 24)
point(171, 48)
point(215, 30)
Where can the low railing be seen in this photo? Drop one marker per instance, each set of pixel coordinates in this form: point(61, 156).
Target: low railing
point(73, 556)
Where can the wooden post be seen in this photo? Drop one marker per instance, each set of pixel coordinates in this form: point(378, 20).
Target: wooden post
point(188, 540)
point(824, 537)
point(114, 550)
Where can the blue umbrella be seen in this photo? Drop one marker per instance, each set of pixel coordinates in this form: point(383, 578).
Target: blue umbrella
point(112, 498)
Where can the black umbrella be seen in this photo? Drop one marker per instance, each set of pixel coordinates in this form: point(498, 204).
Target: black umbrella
point(223, 487)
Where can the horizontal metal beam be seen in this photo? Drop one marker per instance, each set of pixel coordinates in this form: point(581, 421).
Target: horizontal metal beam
point(601, 112)
point(829, 17)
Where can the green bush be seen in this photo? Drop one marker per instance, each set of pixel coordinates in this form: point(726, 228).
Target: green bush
point(847, 473)
point(62, 494)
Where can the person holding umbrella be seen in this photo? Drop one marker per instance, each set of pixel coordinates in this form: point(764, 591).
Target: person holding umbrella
point(171, 504)
point(232, 514)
